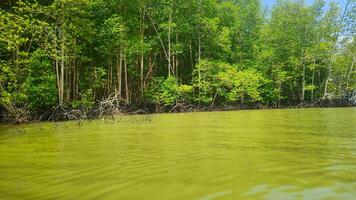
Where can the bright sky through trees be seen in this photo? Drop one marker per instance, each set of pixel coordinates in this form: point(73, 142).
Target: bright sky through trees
point(270, 3)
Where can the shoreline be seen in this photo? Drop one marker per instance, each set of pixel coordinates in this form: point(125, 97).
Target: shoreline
point(130, 110)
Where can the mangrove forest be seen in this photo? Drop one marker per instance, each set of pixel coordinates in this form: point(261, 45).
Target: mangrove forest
point(74, 59)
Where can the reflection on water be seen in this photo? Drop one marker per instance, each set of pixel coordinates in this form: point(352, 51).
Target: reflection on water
point(271, 154)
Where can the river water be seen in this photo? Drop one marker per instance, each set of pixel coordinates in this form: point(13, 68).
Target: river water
point(262, 154)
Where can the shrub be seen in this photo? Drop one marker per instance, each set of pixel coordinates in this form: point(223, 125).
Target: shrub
point(40, 86)
point(86, 101)
point(162, 91)
point(219, 80)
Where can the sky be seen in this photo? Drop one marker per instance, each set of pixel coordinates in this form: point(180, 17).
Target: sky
point(269, 3)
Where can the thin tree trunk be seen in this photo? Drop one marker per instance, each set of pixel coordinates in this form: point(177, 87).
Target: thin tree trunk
point(350, 72)
point(73, 80)
point(61, 95)
point(279, 93)
point(118, 72)
point(96, 77)
point(58, 79)
point(159, 37)
point(199, 57)
point(173, 62)
point(313, 77)
point(303, 84)
point(191, 54)
point(149, 63)
point(111, 75)
point(108, 77)
point(327, 82)
point(68, 79)
point(291, 90)
point(8, 106)
point(151, 66)
point(177, 59)
point(120, 80)
point(142, 40)
point(141, 74)
point(199, 48)
point(126, 80)
point(169, 42)
point(63, 40)
point(77, 80)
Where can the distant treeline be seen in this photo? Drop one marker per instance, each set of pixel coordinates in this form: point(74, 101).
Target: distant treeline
point(164, 53)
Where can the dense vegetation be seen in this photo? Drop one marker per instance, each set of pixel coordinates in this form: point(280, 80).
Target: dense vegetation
point(163, 53)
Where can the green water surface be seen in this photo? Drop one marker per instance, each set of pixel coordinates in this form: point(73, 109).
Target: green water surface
point(268, 154)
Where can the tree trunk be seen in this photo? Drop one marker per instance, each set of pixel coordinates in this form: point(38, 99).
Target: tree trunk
point(350, 72)
point(169, 42)
point(291, 90)
point(159, 38)
point(173, 62)
point(61, 82)
point(141, 74)
point(108, 82)
point(191, 54)
point(119, 71)
point(279, 93)
point(150, 70)
point(142, 40)
point(303, 85)
point(313, 77)
point(126, 80)
point(199, 49)
point(58, 79)
point(327, 82)
point(68, 79)
point(111, 76)
point(177, 59)
point(8, 106)
point(72, 88)
point(63, 40)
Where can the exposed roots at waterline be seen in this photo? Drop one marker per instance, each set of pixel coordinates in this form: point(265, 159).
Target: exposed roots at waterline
point(113, 106)
point(62, 112)
point(326, 102)
point(17, 116)
point(109, 107)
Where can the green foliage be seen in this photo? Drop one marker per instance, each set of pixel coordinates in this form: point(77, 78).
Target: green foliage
point(40, 85)
point(186, 93)
point(213, 52)
point(167, 92)
point(219, 80)
point(163, 92)
point(86, 101)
